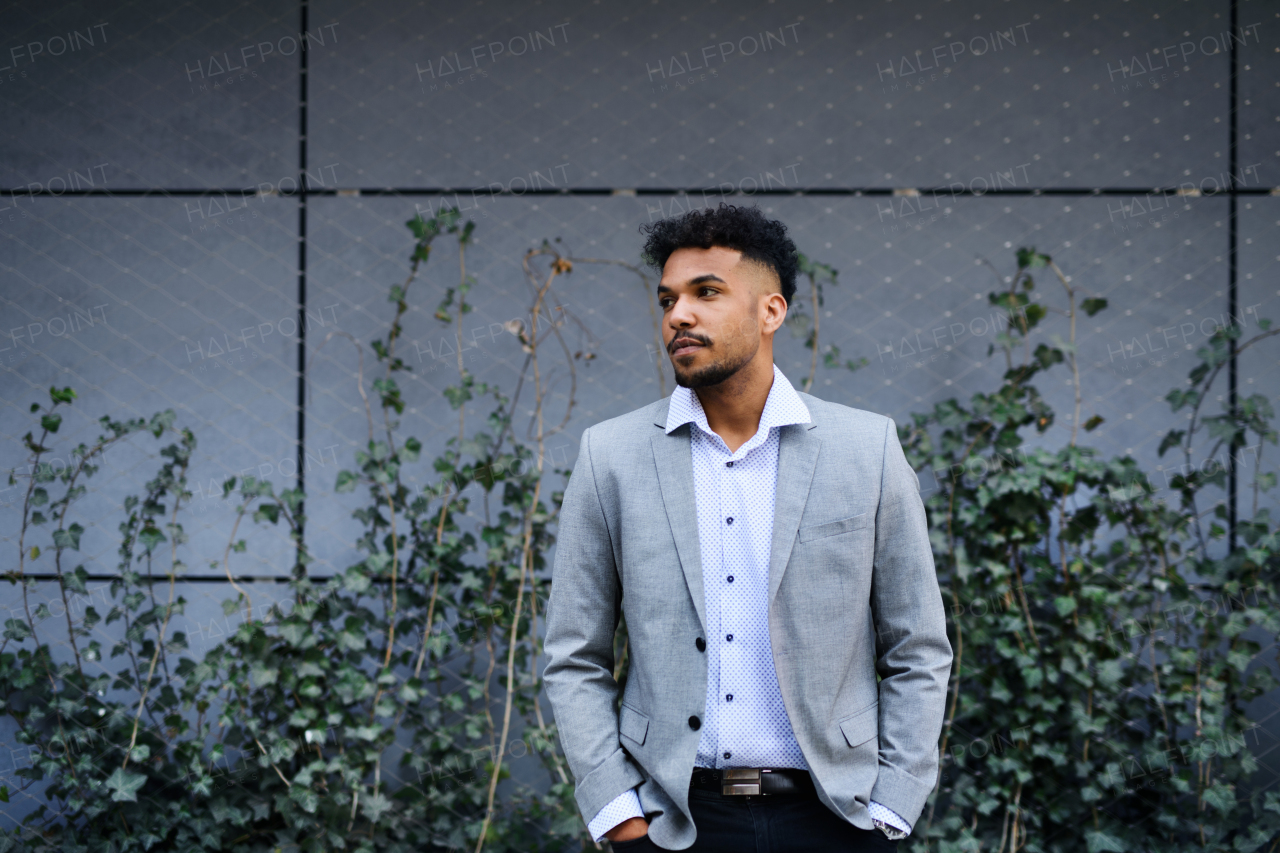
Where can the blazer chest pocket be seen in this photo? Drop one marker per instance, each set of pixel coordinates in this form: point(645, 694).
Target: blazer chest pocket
point(862, 726)
point(831, 528)
point(632, 724)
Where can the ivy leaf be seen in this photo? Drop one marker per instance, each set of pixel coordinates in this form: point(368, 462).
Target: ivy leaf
point(1099, 842)
point(16, 629)
point(150, 537)
point(292, 498)
point(263, 675)
point(30, 441)
point(1093, 422)
point(308, 799)
point(1034, 314)
point(77, 581)
point(294, 633)
point(355, 580)
point(1172, 438)
point(1031, 258)
point(346, 482)
point(1046, 355)
point(51, 422)
point(124, 785)
point(69, 538)
point(1093, 306)
point(66, 395)
point(1222, 798)
point(271, 512)
point(375, 806)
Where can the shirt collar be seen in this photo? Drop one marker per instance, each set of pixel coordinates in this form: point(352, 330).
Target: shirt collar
point(783, 406)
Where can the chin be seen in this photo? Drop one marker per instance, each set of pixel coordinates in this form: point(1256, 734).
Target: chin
point(707, 376)
point(684, 376)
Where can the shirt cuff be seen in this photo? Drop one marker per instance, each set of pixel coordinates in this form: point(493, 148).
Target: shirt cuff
point(623, 807)
point(889, 816)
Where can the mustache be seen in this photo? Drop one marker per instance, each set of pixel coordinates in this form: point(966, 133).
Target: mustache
point(671, 347)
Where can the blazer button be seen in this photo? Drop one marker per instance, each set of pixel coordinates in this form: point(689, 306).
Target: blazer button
point(695, 723)
point(701, 644)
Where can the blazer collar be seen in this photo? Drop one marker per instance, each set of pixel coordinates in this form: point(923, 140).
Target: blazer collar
point(797, 458)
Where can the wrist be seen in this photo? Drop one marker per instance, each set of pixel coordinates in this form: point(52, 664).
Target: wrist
point(633, 827)
point(890, 832)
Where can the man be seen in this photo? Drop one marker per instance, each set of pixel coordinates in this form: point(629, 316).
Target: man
point(771, 554)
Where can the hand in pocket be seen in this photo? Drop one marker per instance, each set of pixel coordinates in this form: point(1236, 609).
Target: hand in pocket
point(635, 845)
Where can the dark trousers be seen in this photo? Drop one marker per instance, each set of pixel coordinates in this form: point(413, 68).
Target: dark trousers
point(779, 823)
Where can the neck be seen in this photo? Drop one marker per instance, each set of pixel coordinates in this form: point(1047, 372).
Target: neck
point(734, 407)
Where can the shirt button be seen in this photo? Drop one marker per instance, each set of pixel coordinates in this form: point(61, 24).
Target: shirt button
point(729, 637)
point(701, 644)
point(729, 698)
point(730, 578)
point(695, 723)
point(730, 519)
point(728, 464)
point(728, 755)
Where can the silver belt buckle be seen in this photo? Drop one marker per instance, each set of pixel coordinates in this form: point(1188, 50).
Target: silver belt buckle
point(740, 781)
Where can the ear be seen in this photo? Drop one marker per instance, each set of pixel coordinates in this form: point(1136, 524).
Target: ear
point(775, 311)
point(768, 290)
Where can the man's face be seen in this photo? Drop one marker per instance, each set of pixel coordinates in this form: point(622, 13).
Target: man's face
point(716, 307)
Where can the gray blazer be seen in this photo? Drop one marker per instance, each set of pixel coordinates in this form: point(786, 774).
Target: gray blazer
point(852, 596)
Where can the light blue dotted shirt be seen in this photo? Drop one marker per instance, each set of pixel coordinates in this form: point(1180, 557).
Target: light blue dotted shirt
point(745, 723)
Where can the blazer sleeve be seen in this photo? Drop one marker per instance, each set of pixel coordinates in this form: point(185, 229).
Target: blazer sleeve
point(582, 616)
point(913, 655)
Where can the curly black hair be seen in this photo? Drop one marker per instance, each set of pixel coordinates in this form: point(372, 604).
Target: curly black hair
point(744, 229)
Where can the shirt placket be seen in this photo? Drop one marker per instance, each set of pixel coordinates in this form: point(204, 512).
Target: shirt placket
point(708, 488)
point(735, 610)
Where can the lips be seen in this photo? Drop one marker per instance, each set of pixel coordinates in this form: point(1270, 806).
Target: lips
point(687, 346)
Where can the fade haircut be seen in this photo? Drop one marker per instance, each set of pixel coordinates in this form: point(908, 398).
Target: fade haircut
point(744, 229)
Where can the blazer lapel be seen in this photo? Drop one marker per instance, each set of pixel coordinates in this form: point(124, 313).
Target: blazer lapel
point(673, 457)
point(797, 458)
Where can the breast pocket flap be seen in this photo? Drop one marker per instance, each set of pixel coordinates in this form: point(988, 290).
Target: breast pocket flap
point(831, 528)
point(862, 726)
point(633, 725)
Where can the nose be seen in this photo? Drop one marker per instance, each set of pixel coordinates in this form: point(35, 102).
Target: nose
point(680, 315)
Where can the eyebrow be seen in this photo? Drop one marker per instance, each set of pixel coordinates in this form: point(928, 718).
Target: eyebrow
point(702, 279)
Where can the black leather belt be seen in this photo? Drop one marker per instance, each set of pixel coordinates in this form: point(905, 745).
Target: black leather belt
point(753, 781)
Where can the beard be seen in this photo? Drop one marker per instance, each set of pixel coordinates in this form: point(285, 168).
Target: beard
point(711, 374)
